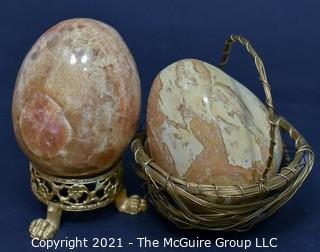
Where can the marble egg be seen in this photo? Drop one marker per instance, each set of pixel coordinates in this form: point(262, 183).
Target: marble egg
point(77, 99)
point(205, 127)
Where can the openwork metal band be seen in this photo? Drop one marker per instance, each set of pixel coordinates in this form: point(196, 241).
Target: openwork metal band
point(77, 194)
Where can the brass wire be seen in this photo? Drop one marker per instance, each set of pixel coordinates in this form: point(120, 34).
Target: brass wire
point(234, 207)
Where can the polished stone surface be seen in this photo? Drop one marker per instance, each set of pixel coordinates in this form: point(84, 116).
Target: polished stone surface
point(77, 99)
point(205, 127)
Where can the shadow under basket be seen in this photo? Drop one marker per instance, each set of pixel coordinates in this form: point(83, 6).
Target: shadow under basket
point(234, 207)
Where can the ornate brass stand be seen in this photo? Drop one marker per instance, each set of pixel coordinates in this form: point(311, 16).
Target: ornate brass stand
point(61, 194)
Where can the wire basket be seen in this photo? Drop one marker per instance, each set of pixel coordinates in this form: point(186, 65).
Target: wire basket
point(232, 207)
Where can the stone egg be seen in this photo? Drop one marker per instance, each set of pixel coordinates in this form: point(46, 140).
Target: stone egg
point(77, 99)
point(205, 127)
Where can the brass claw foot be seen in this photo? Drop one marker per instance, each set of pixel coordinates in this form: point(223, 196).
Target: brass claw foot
point(46, 228)
point(130, 205)
point(42, 229)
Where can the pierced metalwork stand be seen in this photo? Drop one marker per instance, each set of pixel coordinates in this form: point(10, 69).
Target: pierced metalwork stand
point(61, 194)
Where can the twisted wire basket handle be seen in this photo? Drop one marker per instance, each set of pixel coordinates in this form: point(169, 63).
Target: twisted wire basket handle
point(266, 87)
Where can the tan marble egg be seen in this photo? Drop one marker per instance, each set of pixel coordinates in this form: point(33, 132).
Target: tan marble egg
point(77, 99)
point(205, 127)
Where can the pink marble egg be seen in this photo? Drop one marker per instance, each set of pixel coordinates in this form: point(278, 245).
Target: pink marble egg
point(77, 99)
point(205, 127)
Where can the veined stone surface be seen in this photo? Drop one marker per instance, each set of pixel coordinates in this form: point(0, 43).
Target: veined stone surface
point(205, 127)
point(77, 99)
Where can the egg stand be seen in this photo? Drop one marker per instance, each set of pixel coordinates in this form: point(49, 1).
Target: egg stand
point(228, 207)
point(83, 194)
